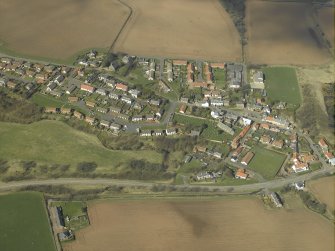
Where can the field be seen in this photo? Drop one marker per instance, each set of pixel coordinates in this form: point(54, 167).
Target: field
point(24, 223)
point(266, 162)
point(230, 225)
point(326, 20)
point(54, 142)
point(286, 37)
point(62, 29)
point(194, 30)
point(324, 190)
point(282, 85)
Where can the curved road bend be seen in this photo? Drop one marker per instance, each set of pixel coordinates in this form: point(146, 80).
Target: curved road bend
point(227, 189)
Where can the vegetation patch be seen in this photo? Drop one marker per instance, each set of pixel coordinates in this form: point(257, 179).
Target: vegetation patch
point(24, 223)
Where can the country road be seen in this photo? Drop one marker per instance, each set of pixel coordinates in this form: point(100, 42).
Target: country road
point(277, 183)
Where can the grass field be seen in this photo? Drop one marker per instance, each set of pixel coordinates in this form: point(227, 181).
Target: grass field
point(285, 38)
point(47, 100)
point(24, 223)
point(54, 142)
point(211, 132)
point(266, 162)
point(84, 24)
point(324, 190)
point(174, 30)
point(197, 225)
point(282, 85)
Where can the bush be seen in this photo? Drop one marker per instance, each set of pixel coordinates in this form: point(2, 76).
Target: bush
point(86, 167)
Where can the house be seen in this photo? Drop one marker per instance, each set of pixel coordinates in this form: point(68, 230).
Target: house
point(90, 104)
point(300, 167)
point(183, 108)
point(195, 133)
point(257, 80)
point(59, 79)
point(203, 103)
point(114, 96)
point(104, 77)
point(134, 93)
point(145, 133)
point(155, 102)
point(115, 109)
point(226, 102)
point(78, 115)
point(276, 199)
point(164, 87)
point(179, 62)
point(201, 149)
point(329, 155)
point(137, 118)
point(126, 99)
point(265, 139)
point(204, 175)
point(105, 123)
point(281, 123)
point(121, 87)
point(241, 174)
point(216, 114)
point(101, 91)
point(187, 158)
point(225, 128)
point(170, 76)
point(56, 93)
point(92, 54)
point(212, 94)
point(247, 158)
point(73, 99)
point(279, 143)
point(3, 82)
point(151, 75)
point(217, 155)
point(51, 86)
point(300, 185)
point(198, 85)
point(115, 126)
point(90, 120)
point(323, 144)
point(66, 111)
point(114, 66)
point(234, 75)
point(184, 100)
point(125, 59)
point(71, 89)
point(238, 151)
point(150, 117)
point(49, 68)
point(216, 102)
point(158, 132)
point(240, 105)
point(218, 65)
point(101, 110)
point(66, 235)
point(58, 213)
point(87, 88)
point(170, 132)
point(51, 110)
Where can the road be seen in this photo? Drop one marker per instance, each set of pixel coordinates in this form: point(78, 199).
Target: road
point(129, 183)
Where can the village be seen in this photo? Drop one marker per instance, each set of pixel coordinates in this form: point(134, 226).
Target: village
point(224, 104)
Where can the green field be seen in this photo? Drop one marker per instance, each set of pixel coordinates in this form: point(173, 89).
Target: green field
point(24, 224)
point(51, 142)
point(282, 85)
point(220, 78)
point(46, 100)
point(266, 162)
point(211, 132)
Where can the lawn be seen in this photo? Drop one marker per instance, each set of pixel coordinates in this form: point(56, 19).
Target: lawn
point(193, 166)
point(211, 132)
point(24, 223)
point(282, 85)
point(266, 162)
point(220, 78)
point(47, 100)
point(51, 142)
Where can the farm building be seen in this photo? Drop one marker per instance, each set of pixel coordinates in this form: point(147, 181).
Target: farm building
point(247, 158)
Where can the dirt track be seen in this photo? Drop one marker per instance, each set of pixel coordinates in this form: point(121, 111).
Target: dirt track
point(230, 225)
point(193, 29)
point(59, 29)
point(279, 33)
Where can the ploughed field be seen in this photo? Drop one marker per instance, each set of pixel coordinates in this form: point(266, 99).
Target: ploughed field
point(326, 20)
point(59, 29)
point(283, 33)
point(324, 190)
point(230, 225)
point(180, 29)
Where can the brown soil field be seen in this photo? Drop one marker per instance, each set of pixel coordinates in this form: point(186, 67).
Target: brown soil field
point(59, 29)
point(326, 20)
point(279, 33)
point(324, 190)
point(192, 29)
point(230, 225)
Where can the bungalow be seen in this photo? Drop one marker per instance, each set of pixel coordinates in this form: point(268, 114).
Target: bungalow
point(257, 80)
point(171, 131)
point(247, 158)
point(216, 102)
point(158, 132)
point(87, 88)
point(114, 96)
point(125, 59)
point(137, 106)
point(184, 100)
point(104, 77)
point(226, 102)
point(41, 78)
point(204, 103)
point(78, 115)
point(30, 73)
point(66, 111)
point(56, 93)
point(150, 117)
point(160, 113)
point(66, 235)
point(51, 110)
point(134, 93)
point(59, 79)
point(187, 158)
point(90, 104)
point(51, 86)
point(265, 139)
point(38, 67)
point(300, 167)
point(241, 174)
point(225, 128)
point(101, 110)
point(115, 126)
point(90, 120)
point(73, 99)
point(101, 91)
point(212, 94)
point(121, 87)
point(71, 89)
point(145, 133)
point(155, 102)
point(217, 155)
point(323, 144)
point(195, 133)
point(240, 105)
point(201, 149)
point(115, 109)
point(126, 100)
point(216, 114)
point(105, 123)
point(204, 175)
point(137, 118)
point(49, 68)
point(183, 108)
point(300, 185)
point(114, 66)
point(123, 116)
